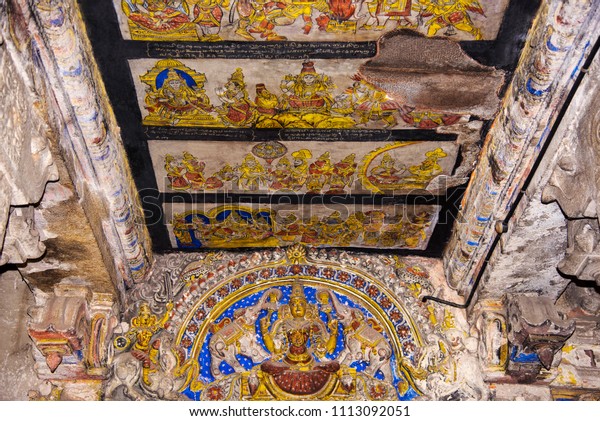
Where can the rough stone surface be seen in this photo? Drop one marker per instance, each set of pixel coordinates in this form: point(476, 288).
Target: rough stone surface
point(26, 164)
point(17, 376)
point(574, 183)
point(521, 392)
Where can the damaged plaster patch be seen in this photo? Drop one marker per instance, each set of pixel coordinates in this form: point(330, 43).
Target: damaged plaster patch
point(435, 74)
point(48, 264)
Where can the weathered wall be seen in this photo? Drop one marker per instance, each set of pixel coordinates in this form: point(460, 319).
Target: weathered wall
point(16, 360)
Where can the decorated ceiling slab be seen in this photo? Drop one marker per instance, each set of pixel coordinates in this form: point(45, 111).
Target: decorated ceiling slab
point(263, 124)
point(273, 167)
point(271, 94)
point(219, 225)
point(302, 20)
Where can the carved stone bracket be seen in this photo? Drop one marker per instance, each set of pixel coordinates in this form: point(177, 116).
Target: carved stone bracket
point(536, 333)
point(490, 322)
point(71, 329)
point(60, 326)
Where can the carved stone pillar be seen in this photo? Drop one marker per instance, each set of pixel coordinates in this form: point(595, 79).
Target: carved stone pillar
point(557, 45)
point(95, 155)
point(536, 333)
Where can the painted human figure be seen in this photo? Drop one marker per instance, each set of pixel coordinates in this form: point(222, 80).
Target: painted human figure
point(451, 15)
point(372, 104)
point(342, 175)
point(311, 231)
point(175, 174)
point(207, 15)
point(319, 173)
point(372, 228)
point(156, 15)
point(194, 170)
point(386, 172)
point(227, 174)
point(252, 174)
point(308, 92)
point(429, 168)
point(143, 327)
point(281, 175)
point(290, 10)
point(414, 232)
point(182, 231)
point(333, 228)
point(256, 17)
point(299, 170)
point(237, 109)
point(380, 12)
point(266, 102)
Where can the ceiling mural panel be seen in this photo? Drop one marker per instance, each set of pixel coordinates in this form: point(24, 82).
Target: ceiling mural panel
point(271, 94)
point(306, 20)
point(209, 225)
point(254, 124)
point(273, 167)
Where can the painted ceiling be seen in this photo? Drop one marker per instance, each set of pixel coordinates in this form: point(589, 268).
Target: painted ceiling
point(334, 123)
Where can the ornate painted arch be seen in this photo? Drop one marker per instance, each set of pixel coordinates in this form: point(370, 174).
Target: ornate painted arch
point(375, 309)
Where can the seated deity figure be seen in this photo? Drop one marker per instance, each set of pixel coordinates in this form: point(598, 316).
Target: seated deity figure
point(386, 173)
point(451, 15)
point(299, 341)
point(175, 100)
point(308, 91)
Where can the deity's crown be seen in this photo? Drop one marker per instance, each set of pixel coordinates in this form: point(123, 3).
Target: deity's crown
point(297, 292)
point(238, 77)
point(302, 154)
point(172, 75)
point(387, 158)
point(308, 67)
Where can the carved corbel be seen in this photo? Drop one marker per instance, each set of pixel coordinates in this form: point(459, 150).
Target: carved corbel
point(536, 333)
point(60, 328)
point(71, 329)
point(582, 258)
point(22, 240)
point(103, 321)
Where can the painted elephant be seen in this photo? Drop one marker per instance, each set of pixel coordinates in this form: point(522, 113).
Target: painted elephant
point(238, 336)
point(362, 341)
